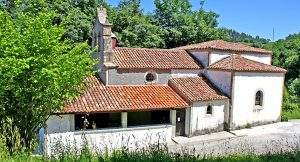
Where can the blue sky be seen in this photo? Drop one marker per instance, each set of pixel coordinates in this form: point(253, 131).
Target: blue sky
point(255, 17)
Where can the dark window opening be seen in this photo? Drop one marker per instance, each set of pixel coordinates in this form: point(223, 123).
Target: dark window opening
point(150, 77)
point(209, 110)
point(148, 118)
point(258, 98)
point(99, 120)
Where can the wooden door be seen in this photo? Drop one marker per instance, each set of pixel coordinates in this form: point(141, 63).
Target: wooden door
point(180, 122)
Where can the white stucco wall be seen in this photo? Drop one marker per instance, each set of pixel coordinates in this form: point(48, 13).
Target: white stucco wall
point(60, 123)
point(245, 86)
point(135, 77)
point(108, 139)
point(200, 121)
point(221, 79)
point(201, 56)
point(184, 73)
point(263, 58)
point(217, 56)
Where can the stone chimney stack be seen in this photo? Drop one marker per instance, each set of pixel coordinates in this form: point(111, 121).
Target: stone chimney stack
point(103, 41)
point(105, 37)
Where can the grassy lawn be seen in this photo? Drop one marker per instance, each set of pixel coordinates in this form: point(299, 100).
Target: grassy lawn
point(159, 156)
point(294, 114)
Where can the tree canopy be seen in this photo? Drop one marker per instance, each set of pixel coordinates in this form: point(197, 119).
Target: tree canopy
point(38, 70)
point(286, 54)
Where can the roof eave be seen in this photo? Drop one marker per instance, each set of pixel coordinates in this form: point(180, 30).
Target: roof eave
point(250, 71)
point(122, 110)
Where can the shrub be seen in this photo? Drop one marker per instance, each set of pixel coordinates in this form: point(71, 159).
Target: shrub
point(3, 148)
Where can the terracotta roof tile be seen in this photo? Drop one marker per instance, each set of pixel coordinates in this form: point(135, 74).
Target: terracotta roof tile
point(196, 89)
point(224, 46)
point(239, 63)
point(143, 58)
point(100, 98)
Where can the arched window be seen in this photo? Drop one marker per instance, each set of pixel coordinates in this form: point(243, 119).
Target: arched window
point(259, 98)
point(209, 110)
point(150, 77)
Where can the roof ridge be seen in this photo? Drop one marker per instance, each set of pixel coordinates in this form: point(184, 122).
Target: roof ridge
point(226, 46)
point(142, 48)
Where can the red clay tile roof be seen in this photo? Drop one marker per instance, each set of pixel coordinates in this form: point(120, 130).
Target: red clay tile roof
point(100, 98)
point(143, 58)
point(196, 89)
point(224, 46)
point(239, 63)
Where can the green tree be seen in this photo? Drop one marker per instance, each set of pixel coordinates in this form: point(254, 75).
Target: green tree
point(77, 17)
point(183, 26)
point(286, 54)
point(133, 28)
point(38, 70)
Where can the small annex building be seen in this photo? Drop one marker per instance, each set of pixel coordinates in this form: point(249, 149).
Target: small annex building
point(140, 97)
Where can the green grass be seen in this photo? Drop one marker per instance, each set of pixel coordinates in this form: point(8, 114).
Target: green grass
point(158, 156)
point(293, 114)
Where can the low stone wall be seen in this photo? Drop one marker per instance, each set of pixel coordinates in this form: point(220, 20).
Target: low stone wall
point(100, 141)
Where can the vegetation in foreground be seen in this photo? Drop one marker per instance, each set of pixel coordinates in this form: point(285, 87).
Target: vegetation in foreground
point(158, 156)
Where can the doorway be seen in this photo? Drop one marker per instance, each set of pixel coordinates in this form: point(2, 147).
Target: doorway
point(180, 122)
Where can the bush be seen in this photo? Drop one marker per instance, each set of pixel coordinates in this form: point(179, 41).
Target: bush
point(290, 108)
point(3, 148)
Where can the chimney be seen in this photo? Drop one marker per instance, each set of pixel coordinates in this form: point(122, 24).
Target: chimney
point(105, 41)
point(105, 37)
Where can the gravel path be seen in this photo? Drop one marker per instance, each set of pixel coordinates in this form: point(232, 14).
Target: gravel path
point(273, 138)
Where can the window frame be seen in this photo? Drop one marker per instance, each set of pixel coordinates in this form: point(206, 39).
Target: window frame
point(258, 105)
point(207, 112)
point(154, 77)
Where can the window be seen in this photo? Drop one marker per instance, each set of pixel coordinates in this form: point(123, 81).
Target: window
point(209, 110)
point(148, 118)
point(258, 98)
point(150, 77)
point(98, 120)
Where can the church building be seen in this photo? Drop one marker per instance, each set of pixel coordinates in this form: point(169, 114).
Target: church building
point(141, 97)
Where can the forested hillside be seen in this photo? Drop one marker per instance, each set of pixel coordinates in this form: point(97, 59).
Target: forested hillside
point(286, 54)
point(44, 52)
point(256, 41)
